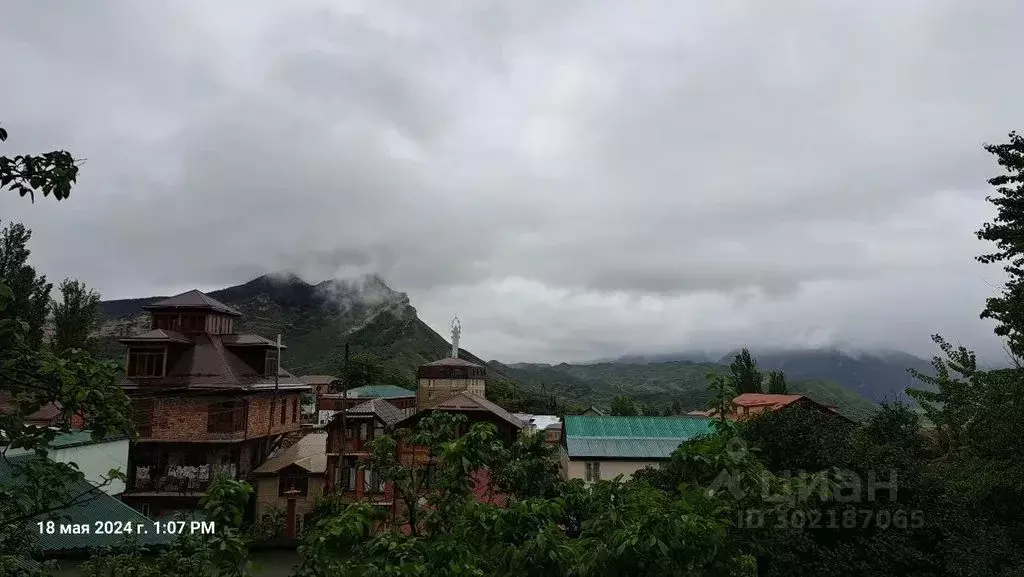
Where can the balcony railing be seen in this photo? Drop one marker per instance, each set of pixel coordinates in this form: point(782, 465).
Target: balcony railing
point(179, 479)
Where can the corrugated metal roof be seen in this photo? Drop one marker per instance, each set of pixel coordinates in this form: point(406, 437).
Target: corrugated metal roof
point(94, 506)
point(621, 447)
point(611, 437)
point(681, 427)
point(379, 407)
point(77, 438)
point(378, 392)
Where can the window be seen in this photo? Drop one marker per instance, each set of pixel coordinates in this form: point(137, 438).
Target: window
point(592, 471)
point(193, 323)
point(270, 367)
point(145, 363)
point(374, 482)
point(348, 476)
point(295, 410)
point(362, 431)
point(284, 409)
point(225, 417)
point(292, 479)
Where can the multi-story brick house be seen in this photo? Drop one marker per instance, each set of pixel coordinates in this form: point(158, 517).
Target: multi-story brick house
point(348, 444)
point(208, 400)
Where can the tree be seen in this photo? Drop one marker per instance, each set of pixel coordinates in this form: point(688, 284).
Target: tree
point(777, 383)
point(949, 399)
point(746, 378)
point(30, 293)
point(723, 391)
point(74, 317)
point(48, 173)
point(1008, 308)
point(624, 406)
point(361, 370)
point(32, 378)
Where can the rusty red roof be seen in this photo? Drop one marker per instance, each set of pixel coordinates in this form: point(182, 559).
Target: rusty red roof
point(194, 299)
point(44, 416)
point(761, 399)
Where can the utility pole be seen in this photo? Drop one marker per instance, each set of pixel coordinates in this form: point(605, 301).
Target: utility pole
point(344, 409)
point(277, 387)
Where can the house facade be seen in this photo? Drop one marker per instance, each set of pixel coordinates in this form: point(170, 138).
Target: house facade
point(445, 378)
point(207, 401)
point(399, 397)
point(595, 447)
point(296, 475)
point(349, 439)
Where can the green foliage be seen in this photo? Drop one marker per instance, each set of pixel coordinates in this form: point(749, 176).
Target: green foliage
point(48, 173)
point(799, 439)
point(547, 528)
point(361, 370)
point(33, 378)
point(1008, 308)
point(624, 406)
point(745, 376)
point(777, 383)
point(662, 383)
point(723, 391)
point(224, 554)
point(74, 317)
point(29, 299)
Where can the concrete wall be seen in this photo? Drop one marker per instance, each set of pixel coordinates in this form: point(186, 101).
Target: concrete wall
point(430, 392)
point(576, 468)
point(94, 460)
point(267, 497)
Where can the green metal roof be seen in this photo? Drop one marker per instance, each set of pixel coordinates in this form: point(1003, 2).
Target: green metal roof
point(380, 392)
point(95, 506)
point(684, 427)
point(77, 438)
point(609, 437)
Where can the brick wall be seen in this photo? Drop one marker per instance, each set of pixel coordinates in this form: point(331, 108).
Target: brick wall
point(179, 419)
point(260, 417)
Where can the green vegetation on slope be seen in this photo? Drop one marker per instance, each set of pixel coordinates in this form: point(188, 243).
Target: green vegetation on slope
point(659, 383)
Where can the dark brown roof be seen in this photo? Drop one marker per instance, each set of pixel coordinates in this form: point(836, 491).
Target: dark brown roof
point(319, 379)
point(157, 336)
point(210, 364)
point(193, 299)
point(379, 407)
point(249, 341)
point(451, 362)
point(469, 402)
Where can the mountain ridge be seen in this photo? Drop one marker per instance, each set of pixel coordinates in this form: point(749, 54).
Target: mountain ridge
point(316, 320)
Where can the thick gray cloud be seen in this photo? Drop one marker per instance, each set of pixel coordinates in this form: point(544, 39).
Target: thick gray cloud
point(574, 179)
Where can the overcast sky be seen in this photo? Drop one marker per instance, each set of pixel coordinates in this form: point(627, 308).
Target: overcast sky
point(573, 179)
